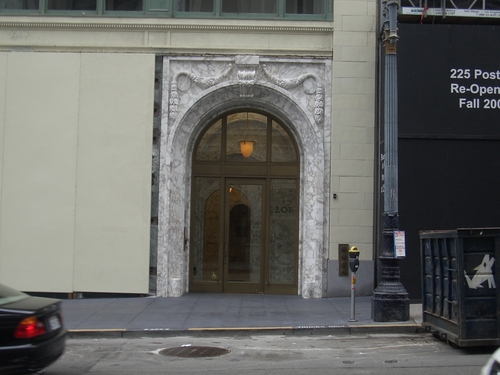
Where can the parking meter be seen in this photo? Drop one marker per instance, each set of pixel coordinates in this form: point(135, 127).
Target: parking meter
point(353, 259)
point(353, 265)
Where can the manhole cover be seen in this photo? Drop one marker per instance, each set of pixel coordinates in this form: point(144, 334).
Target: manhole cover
point(194, 351)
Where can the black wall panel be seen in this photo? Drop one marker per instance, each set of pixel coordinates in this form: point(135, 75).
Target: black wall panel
point(449, 129)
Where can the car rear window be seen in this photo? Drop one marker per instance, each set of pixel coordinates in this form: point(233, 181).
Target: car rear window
point(9, 295)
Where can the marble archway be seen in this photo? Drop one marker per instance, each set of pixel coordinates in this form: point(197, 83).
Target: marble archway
point(195, 91)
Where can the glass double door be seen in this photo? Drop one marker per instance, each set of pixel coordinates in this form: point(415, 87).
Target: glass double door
point(244, 236)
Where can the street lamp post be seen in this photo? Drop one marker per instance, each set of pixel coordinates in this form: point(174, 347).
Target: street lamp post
point(390, 299)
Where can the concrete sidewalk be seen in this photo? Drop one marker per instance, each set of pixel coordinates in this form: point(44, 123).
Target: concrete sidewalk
point(198, 314)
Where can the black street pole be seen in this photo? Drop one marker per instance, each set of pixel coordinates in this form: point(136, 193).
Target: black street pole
point(390, 299)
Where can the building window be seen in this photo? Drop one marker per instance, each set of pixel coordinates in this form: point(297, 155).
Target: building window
point(124, 5)
point(249, 9)
point(250, 6)
point(194, 6)
point(305, 6)
point(72, 5)
point(19, 4)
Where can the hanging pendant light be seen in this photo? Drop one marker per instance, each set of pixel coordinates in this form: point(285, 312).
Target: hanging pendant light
point(246, 148)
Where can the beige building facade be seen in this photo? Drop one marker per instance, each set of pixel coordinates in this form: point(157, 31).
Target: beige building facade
point(102, 120)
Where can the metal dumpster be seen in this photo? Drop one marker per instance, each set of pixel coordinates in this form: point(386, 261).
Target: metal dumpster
point(460, 302)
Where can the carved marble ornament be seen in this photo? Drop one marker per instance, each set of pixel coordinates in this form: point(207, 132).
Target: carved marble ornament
point(247, 76)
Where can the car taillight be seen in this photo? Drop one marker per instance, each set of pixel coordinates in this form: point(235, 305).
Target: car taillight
point(29, 327)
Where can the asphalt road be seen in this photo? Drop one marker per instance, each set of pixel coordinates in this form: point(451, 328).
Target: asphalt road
point(271, 355)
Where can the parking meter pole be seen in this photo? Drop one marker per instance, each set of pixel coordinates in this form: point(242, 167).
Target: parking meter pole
point(353, 297)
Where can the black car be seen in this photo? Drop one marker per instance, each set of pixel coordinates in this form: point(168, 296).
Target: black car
point(32, 335)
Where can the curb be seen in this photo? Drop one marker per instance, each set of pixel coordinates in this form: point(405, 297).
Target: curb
point(383, 328)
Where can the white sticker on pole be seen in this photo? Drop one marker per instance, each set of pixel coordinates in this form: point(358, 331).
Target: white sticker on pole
point(399, 244)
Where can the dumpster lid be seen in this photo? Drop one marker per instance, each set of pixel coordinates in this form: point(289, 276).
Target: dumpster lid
point(474, 231)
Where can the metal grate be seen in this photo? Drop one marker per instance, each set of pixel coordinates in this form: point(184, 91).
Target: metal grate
point(194, 351)
point(453, 4)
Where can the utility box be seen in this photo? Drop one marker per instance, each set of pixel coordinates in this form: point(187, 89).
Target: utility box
point(460, 302)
